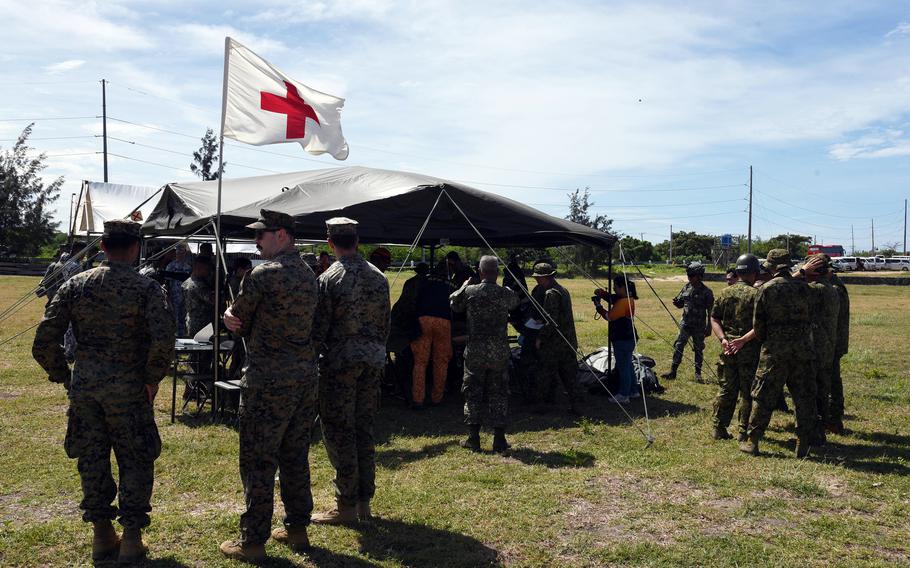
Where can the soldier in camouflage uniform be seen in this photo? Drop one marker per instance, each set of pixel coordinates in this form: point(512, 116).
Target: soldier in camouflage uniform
point(352, 325)
point(781, 322)
point(825, 307)
point(556, 343)
point(199, 296)
point(695, 299)
point(841, 344)
point(486, 356)
point(274, 312)
point(731, 320)
point(125, 331)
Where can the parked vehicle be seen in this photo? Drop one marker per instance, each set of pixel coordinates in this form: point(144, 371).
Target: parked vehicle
point(845, 263)
point(874, 263)
point(902, 264)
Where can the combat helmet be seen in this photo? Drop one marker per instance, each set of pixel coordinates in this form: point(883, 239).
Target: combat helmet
point(747, 264)
point(695, 268)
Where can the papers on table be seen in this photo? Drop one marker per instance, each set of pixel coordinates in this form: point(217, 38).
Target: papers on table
point(533, 324)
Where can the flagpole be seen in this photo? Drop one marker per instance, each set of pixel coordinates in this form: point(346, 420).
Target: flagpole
point(216, 340)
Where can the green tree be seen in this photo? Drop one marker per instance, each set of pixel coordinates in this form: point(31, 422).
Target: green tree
point(25, 199)
point(580, 205)
point(687, 245)
point(205, 159)
point(636, 250)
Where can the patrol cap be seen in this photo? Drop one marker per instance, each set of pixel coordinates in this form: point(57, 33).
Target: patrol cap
point(337, 226)
point(272, 221)
point(543, 269)
point(123, 228)
point(777, 259)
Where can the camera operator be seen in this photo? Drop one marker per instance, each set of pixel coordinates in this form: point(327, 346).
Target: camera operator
point(621, 332)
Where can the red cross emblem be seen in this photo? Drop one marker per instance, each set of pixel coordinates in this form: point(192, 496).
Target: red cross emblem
point(293, 106)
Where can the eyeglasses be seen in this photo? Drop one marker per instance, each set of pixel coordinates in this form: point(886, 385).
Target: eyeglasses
point(260, 232)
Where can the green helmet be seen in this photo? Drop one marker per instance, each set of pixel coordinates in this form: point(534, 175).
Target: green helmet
point(695, 268)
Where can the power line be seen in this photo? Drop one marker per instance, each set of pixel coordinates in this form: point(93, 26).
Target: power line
point(47, 118)
point(183, 154)
point(651, 206)
point(701, 188)
point(52, 138)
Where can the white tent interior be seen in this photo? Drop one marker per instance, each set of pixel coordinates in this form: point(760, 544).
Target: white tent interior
point(100, 202)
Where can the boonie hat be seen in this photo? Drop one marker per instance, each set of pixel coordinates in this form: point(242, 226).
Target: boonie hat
point(543, 269)
point(777, 259)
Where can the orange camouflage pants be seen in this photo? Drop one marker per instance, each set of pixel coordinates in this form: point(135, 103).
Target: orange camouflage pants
point(436, 340)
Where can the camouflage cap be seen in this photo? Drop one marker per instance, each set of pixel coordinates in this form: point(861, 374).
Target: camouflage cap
point(777, 259)
point(544, 269)
point(337, 226)
point(826, 260)
point(272, 220)
point(121, 228)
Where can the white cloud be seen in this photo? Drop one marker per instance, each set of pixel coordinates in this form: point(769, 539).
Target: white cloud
point(209, 39)
point(64, 66)
point(902, 29)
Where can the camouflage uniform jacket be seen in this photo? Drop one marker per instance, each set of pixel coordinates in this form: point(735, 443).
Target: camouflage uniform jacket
point(734, 309)
point(825, 308)
point(781, 318)
point(842, 342)
point(124, 327)
point(487, 305)
point(276, 305)
point(558, 304)
point(696, 303)
point(199, 302)
point(352, 318)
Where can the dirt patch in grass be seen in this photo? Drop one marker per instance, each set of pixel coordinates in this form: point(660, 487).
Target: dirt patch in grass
point(9, 395)
point(15, 508)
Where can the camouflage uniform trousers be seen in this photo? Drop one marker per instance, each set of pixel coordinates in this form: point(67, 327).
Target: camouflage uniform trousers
point(836, 407)
point(486, 390)
point(348, 402)
point(823, 379)
point(275, 427)
point(698, 346)
point(775, 371)
point(556, 362)
point(735, 376)
point(95, 426)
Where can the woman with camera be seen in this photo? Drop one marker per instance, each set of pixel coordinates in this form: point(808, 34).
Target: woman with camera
point(621, 333)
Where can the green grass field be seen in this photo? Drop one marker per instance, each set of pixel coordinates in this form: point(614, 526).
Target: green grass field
point(574, 492)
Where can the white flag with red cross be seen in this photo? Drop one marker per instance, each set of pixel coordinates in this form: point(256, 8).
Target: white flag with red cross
point(262, 106)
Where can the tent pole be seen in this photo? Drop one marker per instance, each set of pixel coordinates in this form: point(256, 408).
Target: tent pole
point(76, 216)
point(610, 292)
point(215, 323)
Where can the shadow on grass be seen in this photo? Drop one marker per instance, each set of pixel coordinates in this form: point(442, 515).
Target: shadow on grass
point(418, 545)
point(552, 460)
point(883, 458)
point(394, 459)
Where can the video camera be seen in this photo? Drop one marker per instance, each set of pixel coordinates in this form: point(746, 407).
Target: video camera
point(600, 294)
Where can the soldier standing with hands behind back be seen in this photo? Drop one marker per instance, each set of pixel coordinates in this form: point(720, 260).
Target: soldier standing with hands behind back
point(486, 356)
point(125, 331)
point(696, 300)
point(352, 325)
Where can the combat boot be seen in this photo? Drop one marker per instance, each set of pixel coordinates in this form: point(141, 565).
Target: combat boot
point(669, 375)
point(698, 378)
point(132, 548)
point(835, 427)
point(818, 438)
point(252, 553)
point(364, 514)
point(749, 446)
point(742, 437)
point(294, 537)
point(720, 433)
point(104, 540)
point(500, 444)
point(802, 448)
point(340, 515)
point(473, 440)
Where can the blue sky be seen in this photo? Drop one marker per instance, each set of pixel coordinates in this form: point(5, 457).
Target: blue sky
point(659, 107)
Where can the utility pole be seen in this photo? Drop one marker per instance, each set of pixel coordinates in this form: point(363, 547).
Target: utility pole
point(852, 242)
point(104, 123)
point(671, 244)
point(873, 237)
point(905, 227)
point(750, 210)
